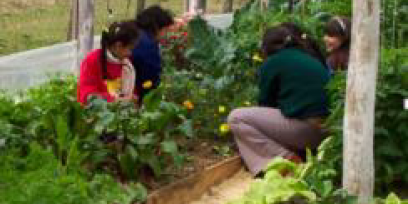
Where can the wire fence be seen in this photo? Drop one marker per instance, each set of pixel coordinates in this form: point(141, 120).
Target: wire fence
point(28, 24)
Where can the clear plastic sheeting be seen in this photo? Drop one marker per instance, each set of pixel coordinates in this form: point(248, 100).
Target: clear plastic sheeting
point(26, 69)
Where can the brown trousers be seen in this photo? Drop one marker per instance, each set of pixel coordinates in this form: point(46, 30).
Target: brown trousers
point(264, 133)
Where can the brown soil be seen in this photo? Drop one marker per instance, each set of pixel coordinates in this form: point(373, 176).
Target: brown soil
point(200, 153)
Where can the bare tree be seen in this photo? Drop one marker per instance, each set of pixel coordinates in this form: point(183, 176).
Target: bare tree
point(358, 176)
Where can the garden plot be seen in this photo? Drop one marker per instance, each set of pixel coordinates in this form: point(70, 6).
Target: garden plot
point(231, 189)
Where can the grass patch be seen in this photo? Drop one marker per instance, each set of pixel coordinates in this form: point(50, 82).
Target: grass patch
point(42, 25)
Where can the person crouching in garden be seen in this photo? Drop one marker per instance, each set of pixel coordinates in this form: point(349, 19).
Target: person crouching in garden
point(292, 103)
point(146, 56)
point(107, 72)
point(337, 39)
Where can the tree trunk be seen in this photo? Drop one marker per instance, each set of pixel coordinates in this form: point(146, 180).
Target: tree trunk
point(140, 6)
point(86, 32)
point(228, 6)
point(358, 169)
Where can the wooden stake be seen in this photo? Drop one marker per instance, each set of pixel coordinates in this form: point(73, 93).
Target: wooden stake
point(228, 6)
point(86, 30)
point(73, 21)
point(358, 169)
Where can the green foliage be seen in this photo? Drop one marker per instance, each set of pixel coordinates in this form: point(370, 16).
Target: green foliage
point(390, 134)
point(39, 178)
point(308, 183)
point(50, 116)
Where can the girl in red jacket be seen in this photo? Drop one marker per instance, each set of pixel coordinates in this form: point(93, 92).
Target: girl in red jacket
point(107, 73)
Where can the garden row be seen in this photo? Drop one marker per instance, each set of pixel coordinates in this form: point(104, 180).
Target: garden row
point(53, 150)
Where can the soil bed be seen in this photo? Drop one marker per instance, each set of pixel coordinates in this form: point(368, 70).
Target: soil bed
point(200, 153)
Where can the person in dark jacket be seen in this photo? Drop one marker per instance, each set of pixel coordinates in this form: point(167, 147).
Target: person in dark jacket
point(292, 103)
point(146, 55)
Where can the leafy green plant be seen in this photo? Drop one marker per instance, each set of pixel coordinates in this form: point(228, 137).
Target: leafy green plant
point(307, 183)
point(39, 178)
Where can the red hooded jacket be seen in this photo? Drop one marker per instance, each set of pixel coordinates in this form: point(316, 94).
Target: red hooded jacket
point(91, 81)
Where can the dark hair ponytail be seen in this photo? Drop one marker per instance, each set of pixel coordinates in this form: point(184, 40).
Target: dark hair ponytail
point(289, 35)
point(125, 32)
point(153, 19)
point(308, 42)
point(104, 40)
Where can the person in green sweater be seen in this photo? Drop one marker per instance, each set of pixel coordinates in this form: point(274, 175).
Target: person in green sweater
point(292, 102)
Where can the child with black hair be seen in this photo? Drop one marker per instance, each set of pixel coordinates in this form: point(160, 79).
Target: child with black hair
point(337, 39)
point(292, 102)
point(146, 56)
point(310, 43)
point(107, 72)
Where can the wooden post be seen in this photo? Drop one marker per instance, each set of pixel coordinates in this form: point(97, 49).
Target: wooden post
point(358, 168)
point(228, 6)
point(202, 6)
point(264, 5)
point(195, 6)
point(73, 21)
point(86, 32)
point(140, 6)
point(186, 6)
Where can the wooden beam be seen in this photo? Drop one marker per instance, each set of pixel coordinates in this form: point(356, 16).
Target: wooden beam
point(194, 186)
point(358, 169)
point(186, 6)
point(195, 6)
point(228, 6)
point(264, 5)
point(73, 21)
point(85, 41)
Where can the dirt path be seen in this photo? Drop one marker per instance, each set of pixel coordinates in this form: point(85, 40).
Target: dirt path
point(227, 191)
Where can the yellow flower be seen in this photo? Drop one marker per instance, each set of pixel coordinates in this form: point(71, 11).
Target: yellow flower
point(188, 104)
point(257, 58)
point(221, 109)
point(247, 103)
point(224, 128)
point(113, 86)
point(147, 84)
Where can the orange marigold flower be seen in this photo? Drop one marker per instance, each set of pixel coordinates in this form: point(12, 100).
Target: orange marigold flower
point(188, 104)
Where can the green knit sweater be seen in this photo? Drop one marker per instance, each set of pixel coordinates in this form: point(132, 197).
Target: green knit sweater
point(294, 82)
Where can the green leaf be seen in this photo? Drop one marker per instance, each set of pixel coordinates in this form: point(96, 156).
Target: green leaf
point(279, 164)
point(132, 152)
point(146, 139)
point(186, 128)
point(392, 199)
point(128, 165)
point(154, 163)
point(169, 146)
